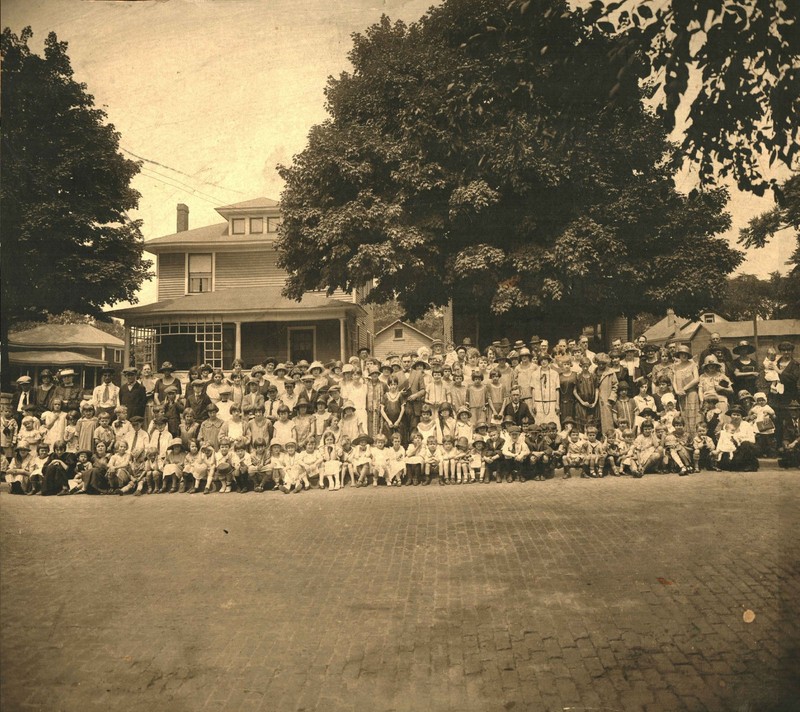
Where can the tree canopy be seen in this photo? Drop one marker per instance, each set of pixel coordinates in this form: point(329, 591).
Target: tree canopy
point(496, 172)
point(68, 243)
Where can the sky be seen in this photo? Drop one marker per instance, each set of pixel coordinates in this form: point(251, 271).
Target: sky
point(215, 93)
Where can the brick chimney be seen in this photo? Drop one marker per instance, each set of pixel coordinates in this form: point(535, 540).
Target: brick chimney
point(183, 217)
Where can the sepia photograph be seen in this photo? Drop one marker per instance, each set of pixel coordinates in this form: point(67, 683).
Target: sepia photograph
point(508, 291)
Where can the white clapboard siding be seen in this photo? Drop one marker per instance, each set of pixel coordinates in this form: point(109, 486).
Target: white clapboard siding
point(247, 269)
point(171, 275)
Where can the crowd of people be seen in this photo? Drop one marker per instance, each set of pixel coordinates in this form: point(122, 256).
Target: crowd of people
point(446, 414)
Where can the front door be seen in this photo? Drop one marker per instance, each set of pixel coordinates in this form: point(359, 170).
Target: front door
point(302, 343)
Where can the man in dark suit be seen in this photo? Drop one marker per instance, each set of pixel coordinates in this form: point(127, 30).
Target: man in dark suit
point(517, 409)
point(132, 394)
point(415, 394)
point(23, 397)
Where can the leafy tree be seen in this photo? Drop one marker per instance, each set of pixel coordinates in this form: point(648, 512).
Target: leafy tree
point(495, 172)
point(432, 323)
point(784, 216)
point(731, 66)
point(68, 243)
point(69, 317)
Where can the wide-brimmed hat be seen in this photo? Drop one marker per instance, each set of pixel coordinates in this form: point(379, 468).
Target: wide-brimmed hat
point(107, 369)
point(302, 401)
point(66, 372)
point(682, 349)
point(478, 440)
point(647, 413)
point(744, 348)
point(741, 395)
point(362, 439)
point(711, 360)
point(348, 404)
point(736, 409)
point(166, 366)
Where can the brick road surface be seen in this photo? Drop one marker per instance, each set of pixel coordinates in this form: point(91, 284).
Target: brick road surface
point(564, 595)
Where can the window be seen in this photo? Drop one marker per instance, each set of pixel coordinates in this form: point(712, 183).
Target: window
point(398, 333)
point(256, 226)
point(273, 223)
point(117, 355)
point(708, 318)
point(237, 226)
point(199, 273)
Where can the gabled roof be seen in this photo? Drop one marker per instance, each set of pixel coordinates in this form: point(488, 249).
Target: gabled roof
point(744, 329)
point(253, 204)
point(61, 336)
point(405, 325)
point(257, 300)
point(673, 326)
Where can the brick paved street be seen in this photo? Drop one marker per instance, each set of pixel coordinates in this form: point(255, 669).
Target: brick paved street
point(564, 595)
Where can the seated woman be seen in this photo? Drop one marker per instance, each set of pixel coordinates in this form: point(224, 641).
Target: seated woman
point(738, 441)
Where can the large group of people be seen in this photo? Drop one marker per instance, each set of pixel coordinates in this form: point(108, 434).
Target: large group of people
point(446, 414)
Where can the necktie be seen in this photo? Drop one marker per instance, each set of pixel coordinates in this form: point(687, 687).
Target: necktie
point(106, 394)
point(24, 399)
point(513, 447)
point(135, 438)
point(158, 442)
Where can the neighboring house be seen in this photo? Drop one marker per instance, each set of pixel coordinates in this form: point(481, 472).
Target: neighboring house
point(54, 346)
point(219, 298)
point(399, 337)
point(679, 329)
point(697, 334)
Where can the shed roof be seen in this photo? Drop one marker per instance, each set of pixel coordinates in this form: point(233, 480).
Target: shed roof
point(61, 336)
point(744, 329)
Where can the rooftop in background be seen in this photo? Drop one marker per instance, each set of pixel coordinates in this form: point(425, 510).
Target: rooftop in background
point(64, 336)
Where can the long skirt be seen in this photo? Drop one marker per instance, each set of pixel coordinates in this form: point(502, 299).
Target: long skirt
point(55, 477)
point(743, 460)
point(689, 405)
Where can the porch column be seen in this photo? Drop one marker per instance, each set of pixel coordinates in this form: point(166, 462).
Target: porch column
point(237, 349)
point(342, 331)
point(126, 354)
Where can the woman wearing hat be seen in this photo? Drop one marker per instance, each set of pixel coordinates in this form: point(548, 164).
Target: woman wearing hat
point(68, 390)
point(166, 380)
point(737, 443)
point(744, 368)
point(685, 381)
point(713, 380)
point(546, 401)
point(44, 392)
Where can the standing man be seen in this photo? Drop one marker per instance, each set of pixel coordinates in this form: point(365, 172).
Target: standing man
point(105, 397)
point(132, 393)
point(23, 397)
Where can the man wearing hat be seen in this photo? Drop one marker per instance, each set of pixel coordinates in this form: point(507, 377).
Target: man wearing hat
point(414, 390)
point(23, 397)
point(784, 391)
point(197, 399)
point(105, 397)
point(132, 393)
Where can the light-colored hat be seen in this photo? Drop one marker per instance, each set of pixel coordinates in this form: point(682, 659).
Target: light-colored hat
point(24, 379)
point(668, 398)
point(348, 404)
point(316, 364)
point(683, 349)
point(348, 368)
point(760, 394)
point(711, 360)
point(176, 442)
point(66, 372)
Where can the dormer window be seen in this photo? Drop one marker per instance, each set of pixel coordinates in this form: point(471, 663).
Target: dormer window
point(256, 226)
point(273, 223)
point(237, 226)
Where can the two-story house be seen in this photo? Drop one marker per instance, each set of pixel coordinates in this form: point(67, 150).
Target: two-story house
point(219, 298)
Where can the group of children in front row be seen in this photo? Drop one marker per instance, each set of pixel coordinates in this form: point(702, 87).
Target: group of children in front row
point(118, 456)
